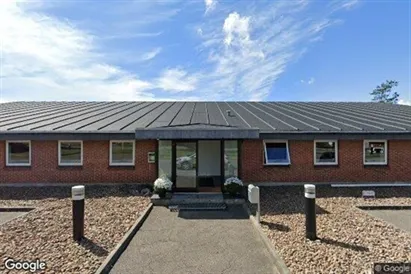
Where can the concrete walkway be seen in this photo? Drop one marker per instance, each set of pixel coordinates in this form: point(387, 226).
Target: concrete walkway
point(399, 218)
point(196, 242)
point(8, 216)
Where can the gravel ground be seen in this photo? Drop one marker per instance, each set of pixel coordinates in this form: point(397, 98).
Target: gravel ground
point(46, 232)
point(350, 240)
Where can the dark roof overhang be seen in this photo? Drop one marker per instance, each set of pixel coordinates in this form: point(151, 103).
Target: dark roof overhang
point(75, 135)
point(197, 133)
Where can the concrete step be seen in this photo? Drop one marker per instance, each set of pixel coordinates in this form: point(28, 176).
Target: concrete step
point(196, 198)
point(196, 201)
point(198, 207)
point(196, 195)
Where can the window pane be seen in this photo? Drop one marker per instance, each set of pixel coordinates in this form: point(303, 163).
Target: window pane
point(230, 159)
point(122, 152)
point(19, 153)
point(276, 153)
point(164, 159)
point(325, 152)
point(70, 152)
point(375, 152)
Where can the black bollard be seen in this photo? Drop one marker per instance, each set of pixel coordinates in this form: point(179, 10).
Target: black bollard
point(78, 194)
point(310, 218)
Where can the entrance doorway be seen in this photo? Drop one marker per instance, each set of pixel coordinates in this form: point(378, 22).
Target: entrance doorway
point(209, 166)
point(186, 165)
point(198, 165)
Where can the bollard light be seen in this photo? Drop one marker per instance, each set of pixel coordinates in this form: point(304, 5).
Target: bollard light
point(310, 218)
point(254, 198)
point(78, 195)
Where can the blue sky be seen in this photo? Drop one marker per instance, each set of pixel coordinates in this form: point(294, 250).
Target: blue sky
point(203, 50)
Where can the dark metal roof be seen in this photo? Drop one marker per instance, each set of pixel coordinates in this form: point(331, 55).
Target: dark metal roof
point(269, 118)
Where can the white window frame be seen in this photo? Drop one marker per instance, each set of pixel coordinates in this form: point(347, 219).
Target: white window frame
point(265, 152)
point(385, 156)
point(325, 163)
point(111, 152)
point(81, 152)
point(7, 153)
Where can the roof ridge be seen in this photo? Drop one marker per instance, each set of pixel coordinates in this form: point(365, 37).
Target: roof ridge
point(196, 124)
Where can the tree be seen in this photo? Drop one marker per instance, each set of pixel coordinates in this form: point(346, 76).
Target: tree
point(384, 94)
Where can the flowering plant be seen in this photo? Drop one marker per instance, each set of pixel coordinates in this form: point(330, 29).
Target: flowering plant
point(233, 185)
point(162, 185)
point(233, 180)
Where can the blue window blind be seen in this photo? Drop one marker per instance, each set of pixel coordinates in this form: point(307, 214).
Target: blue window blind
point(277, 153)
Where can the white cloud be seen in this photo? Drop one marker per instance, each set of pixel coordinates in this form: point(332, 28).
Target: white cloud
point(236, 27)
point(176, 80)
point(199, 31)
point(251, 49)
point(242, 53)
point(350, 4)
point(126, 35)
point(404, 102)
point(309, 81)
point(46, 58)
point(343, 4)
point(151, 54)
point(210, 5)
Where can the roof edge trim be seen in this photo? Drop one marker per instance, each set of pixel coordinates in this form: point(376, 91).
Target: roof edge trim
point(337, 135)
point(173, 133)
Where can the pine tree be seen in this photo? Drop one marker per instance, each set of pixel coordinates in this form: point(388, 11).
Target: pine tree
point(383, 93)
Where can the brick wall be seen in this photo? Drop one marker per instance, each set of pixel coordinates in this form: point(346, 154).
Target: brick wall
point(350, 164)
point(44, 165)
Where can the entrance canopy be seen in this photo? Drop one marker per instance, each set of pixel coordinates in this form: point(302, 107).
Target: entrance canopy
point(197, 131)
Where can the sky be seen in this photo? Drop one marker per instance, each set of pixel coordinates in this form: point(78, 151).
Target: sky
point(289, 50)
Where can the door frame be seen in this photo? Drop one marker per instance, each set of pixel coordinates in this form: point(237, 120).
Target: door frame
point(174, 166)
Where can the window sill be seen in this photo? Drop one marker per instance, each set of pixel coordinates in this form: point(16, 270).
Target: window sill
point(277, 165)
point(70, 167)
point(326, 165)
point(376, 165)
point(18, 166)
point(121, 167)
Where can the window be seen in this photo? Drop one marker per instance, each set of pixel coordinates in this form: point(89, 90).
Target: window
point(164, 159)
point(230, 158)
point(18, 153)
point(375, 152)
point(276, 153)
point(70, 153)
point(122, 153)
point(325, 152)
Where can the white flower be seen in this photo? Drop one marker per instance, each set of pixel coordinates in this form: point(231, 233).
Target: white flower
point(163, 183)
point(233, 180)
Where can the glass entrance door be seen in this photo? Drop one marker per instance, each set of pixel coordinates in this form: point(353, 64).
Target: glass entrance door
point(186, 165)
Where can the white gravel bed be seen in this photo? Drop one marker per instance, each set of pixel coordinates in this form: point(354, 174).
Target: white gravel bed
point(350, 240)
point(46, 232)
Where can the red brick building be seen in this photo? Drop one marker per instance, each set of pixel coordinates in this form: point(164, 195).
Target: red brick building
point(198, 144)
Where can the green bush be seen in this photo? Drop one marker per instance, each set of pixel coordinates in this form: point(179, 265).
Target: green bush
point(233, 189)
point(160, 191)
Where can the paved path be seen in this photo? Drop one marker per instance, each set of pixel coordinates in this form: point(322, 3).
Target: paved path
point(8, 216)
point(196, 242)
point(399, 218)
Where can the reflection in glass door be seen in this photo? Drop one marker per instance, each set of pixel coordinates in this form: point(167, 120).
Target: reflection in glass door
point(186, 165)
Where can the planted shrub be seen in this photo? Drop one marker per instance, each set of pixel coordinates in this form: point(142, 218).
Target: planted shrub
point(162, 185)
point(233, 186)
